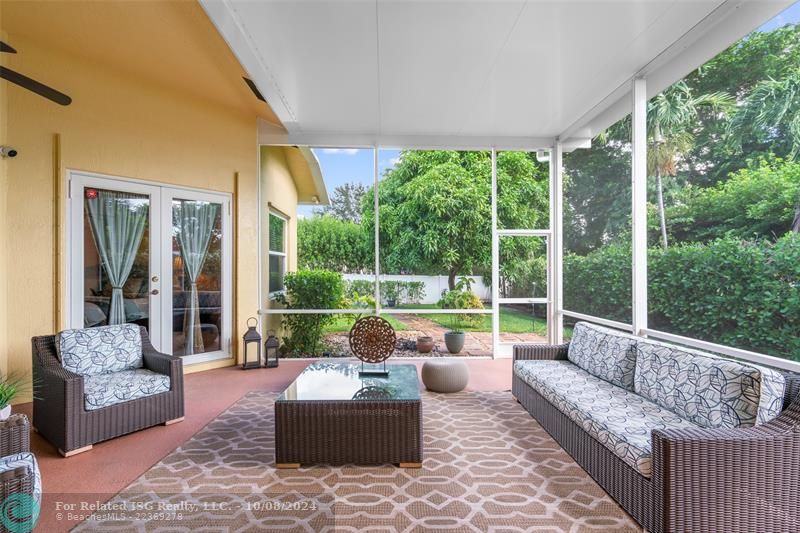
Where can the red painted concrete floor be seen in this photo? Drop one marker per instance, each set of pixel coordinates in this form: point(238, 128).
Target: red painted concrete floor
point(97, 475)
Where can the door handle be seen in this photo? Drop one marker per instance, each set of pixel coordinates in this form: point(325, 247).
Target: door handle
point(154, 292)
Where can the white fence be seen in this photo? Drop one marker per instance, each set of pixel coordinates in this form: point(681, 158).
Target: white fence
point(434, 285)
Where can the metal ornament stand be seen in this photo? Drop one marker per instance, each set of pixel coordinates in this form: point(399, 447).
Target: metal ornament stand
point(373, 372)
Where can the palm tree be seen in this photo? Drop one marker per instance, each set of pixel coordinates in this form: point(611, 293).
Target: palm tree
point(672, 117)
point(773, 107)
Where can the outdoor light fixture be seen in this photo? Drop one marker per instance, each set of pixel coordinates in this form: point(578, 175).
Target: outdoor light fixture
point(252, 346)
point(271, 350)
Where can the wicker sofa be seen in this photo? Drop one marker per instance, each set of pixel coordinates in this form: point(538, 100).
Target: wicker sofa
point(683, 440)
point(91, 389)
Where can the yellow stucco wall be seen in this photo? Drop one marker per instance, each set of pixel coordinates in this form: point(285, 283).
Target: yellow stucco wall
point(279, 192)
point(123, 124)
point(3, 228)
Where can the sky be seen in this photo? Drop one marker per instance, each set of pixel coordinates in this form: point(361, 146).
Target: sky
point(349, 165)
point(791, 15)
point(343, 165)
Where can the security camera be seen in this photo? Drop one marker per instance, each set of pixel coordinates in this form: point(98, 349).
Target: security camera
point(7, 151)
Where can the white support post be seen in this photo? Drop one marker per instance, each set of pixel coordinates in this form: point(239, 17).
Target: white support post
point(639, 206)
point(495, 262)
point(556, 241)
point(375, 149)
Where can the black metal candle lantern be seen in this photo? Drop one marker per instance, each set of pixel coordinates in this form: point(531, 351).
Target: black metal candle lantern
point(271, 347)
point(252, 346)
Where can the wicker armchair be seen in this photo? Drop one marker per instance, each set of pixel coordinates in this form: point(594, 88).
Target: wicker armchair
point(742, 479)
point(18, 469)
point(59, 412)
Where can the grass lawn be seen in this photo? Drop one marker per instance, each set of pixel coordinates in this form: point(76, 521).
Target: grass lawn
point(511, 320)
point(343, 323)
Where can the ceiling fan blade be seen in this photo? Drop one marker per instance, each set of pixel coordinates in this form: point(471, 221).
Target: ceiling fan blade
point(34, 86)
point(5, 47)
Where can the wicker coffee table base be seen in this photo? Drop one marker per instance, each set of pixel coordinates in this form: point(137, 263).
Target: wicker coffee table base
point(348, 432)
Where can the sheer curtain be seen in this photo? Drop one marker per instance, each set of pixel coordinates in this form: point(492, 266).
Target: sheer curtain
point(117, 220)
point(194, 224)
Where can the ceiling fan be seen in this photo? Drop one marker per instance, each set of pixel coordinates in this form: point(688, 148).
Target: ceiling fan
point(32, 85)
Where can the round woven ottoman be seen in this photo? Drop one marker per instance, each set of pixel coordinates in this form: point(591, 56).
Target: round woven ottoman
point(441, 375)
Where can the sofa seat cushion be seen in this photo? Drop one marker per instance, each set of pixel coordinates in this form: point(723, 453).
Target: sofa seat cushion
point(710, 391)
point(102, 390)
point(603, 352)
point(619, 419)
point(92, 351)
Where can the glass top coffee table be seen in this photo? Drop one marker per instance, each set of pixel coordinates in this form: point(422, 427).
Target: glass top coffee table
point(330, 415)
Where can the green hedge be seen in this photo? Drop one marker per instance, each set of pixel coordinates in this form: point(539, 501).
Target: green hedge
point(599, 283)
point(729, 291)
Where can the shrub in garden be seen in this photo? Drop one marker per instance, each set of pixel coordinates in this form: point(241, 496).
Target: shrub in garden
point(391, 290)
point(309, 289)
point(360, 287)
point(462, 297)
point(414, 291)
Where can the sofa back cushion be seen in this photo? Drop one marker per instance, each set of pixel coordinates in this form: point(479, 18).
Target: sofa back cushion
point(710, 391)
point(605, 353)
point(102, 350)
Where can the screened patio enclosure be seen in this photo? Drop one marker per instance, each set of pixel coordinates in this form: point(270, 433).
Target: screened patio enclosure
point(538, 77)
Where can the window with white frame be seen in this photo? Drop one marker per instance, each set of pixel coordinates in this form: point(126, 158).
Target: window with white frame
point(277, 251)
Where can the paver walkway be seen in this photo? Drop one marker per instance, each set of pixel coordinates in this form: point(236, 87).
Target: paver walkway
point(477, 343)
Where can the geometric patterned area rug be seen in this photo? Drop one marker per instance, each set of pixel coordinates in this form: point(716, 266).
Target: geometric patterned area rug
point(488, 466)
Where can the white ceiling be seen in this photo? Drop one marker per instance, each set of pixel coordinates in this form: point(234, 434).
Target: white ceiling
point(462, 73)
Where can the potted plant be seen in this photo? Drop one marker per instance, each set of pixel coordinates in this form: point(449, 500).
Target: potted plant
point(461, 297)
point(391, 291)
point(10, 387)
point(454, 339)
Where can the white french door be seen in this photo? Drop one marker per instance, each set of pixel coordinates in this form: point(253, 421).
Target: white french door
point(152, 255)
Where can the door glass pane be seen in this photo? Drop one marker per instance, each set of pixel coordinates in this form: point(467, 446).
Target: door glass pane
point(196, 277)
point(116, 258)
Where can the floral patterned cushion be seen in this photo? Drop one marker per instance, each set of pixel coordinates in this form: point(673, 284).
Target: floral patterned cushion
point(102, 350)
point(28, 461)
point(619, 419)
point(606, 353)
point(102, 390)
point(710, 391)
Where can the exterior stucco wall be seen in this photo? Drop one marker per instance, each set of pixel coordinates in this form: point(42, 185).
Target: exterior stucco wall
point(278, 192)
point(118, 124)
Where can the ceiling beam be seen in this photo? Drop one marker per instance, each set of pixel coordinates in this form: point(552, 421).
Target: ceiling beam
point(409, 142)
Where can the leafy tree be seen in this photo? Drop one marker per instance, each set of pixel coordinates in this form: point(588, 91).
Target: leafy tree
point(597, 195)
point(671, 116)
point(757, 202)
point(345, 203)
point(773, 109)
point(738, 70)
point(325, 242)
point(435, 209)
